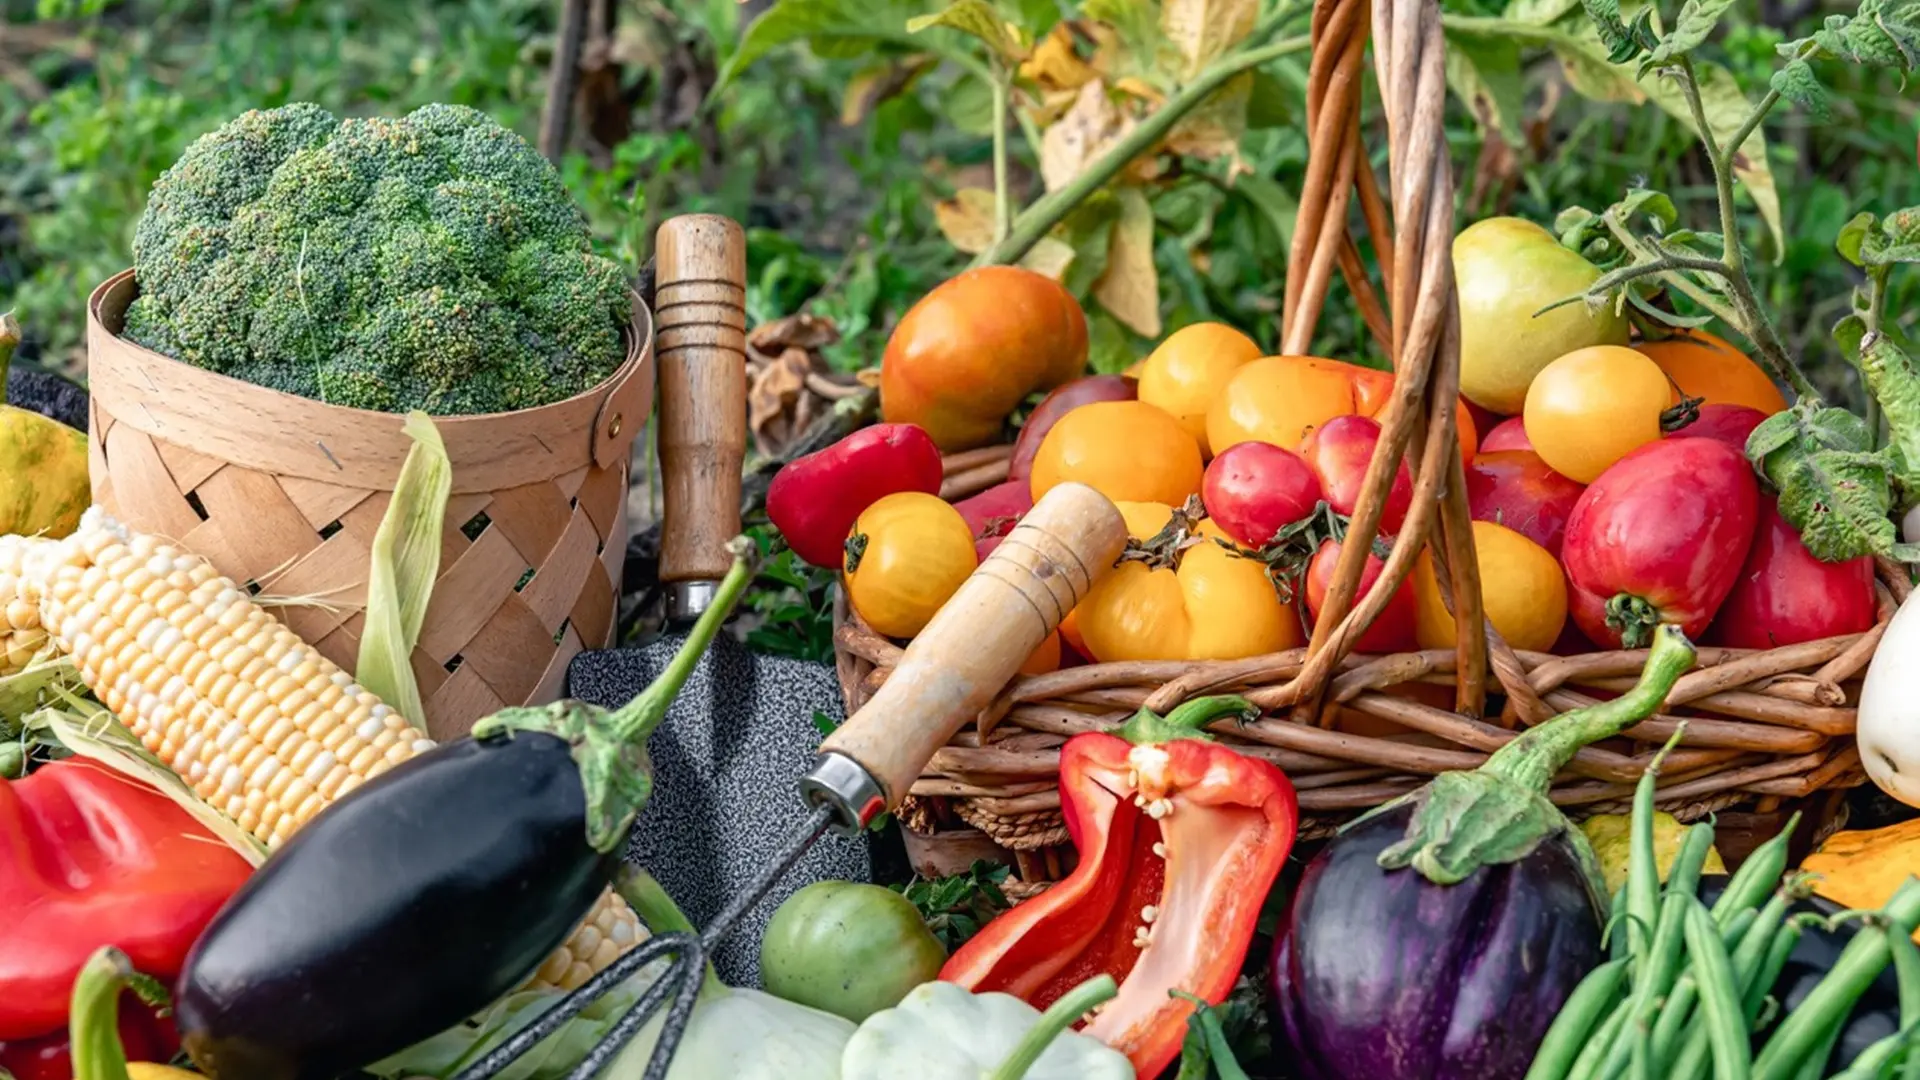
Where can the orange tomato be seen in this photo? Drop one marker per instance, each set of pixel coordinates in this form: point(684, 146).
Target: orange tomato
point(1279, 400)
point(974, 348)
point(1044, 658)
point(1522, 590)
point(1705, 366)
point(1128, 451)
point(907, 554)
point(1589, 408)
point(1372, 390)
point(1212, 605)
point(1186, 372)
point(1070, 633)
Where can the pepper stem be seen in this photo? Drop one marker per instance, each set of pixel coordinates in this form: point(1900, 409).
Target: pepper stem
point(650, 901)
point(633, 722)
point(1056, 1019)
point(1534, 755)
point(94, 1028)
point(9, 341)
point(1189, 721)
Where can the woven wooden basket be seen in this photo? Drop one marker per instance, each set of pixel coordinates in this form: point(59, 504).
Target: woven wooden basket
point(285, 494)
point(1763, 728)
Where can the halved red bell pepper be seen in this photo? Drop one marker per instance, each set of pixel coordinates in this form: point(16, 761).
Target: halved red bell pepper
point(1180, 839)
point(89, 857)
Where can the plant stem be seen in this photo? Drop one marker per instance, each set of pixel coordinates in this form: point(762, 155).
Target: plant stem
point(1682, 285)
point(1002, 208)
point(650, 901)
point(9, 341)
point(1049, 210)
point(1753, 322)
point(635, 721)
point(1052, 1022)
point(97, 1052)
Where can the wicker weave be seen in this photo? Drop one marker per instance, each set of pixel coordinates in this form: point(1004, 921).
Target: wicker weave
point(286, 494)
point(1352, 731)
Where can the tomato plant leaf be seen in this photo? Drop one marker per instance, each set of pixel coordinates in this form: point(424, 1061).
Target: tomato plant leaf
point(1050, 257)
point(1834, 488)
point(976, 19)
point(1130, 287)
point(1856, 235)
point(966, 220)
point(1274, 202)
point(1205, 30)
point(1538, 11)
point(1485, 72)
point(1696, 20)
point(1088, 230)
point(1797, 83)
point(837, 28)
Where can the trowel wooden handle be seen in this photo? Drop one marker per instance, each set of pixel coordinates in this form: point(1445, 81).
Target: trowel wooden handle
point(700, 319)
point(979, 639)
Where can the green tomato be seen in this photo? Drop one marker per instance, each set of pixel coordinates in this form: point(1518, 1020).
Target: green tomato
point(1506, 270)
point(848, 949)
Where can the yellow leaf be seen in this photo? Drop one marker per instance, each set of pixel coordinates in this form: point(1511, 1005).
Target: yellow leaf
point(1055, 65)
point(1204, 30)
point(977, 18)
point(1213, 129)
point(1049, 257)
point(1141, 89)
point(1130, 287)
point(967, 219)
point(1081, 135)
point(868, 88)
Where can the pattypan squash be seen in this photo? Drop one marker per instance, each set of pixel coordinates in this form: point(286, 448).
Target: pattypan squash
point(941, 1031)
point(739, 1034)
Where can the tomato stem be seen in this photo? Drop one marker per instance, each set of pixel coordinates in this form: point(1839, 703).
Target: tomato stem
point(1634, 618)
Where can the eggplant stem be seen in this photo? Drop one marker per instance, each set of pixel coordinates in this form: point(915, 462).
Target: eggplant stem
point(650, 900)
point(1188, 721)
point(1534, 755)
point(635, 721)
point(1055, 1020)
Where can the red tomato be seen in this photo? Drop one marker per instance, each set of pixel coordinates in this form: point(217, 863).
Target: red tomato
point(1785, 596)
point(1392, 632)
point(1255, 489)
point(1508, 434)
point(1659, 538)
point(992, 514)
point(1516, 489)
point(1730, 424)
point(1338, 452)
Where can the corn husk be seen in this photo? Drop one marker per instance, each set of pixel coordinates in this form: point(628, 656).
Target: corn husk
point(406, 563)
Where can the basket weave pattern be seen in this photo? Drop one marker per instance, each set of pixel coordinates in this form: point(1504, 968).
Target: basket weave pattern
point(533, 547)
point(1350, 730)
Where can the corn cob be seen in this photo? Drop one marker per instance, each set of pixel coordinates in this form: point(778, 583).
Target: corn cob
point(21, 637)
point(257, 721)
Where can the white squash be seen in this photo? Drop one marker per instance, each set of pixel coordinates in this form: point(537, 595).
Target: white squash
point(940, 1031)
point(738, 1034)
point(1889, 731)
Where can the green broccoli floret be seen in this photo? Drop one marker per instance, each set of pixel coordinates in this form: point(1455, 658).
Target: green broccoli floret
point(431, 262)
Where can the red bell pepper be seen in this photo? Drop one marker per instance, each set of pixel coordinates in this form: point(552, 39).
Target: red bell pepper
point(89, 857)
point(814, 500)
point(1180, 840)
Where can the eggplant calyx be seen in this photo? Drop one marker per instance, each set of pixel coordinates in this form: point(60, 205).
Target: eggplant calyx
point(1500, 812)
point(616, 774)
point(1189, 721)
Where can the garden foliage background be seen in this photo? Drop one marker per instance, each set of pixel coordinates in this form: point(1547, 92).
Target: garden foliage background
point(859, 153)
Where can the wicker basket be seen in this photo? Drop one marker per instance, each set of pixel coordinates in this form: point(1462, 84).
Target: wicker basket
point(285, 494)
point(1764, 728)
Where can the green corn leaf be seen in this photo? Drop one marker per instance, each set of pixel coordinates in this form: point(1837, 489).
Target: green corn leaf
point(405, 565)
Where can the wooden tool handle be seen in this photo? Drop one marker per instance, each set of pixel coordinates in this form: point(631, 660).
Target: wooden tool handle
point(700, 312)
point(979, 639)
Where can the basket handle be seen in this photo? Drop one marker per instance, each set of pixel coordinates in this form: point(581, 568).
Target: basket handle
point(975, 644)
point(622, 409)
point(701, 346)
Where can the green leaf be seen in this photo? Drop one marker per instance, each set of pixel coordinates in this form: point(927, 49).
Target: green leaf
point(969, 107)
point(1273, 201)
point(1654, 204)
point(1797, 83)
point(1833, 487)
point(404, 568)
point(838, 28)
point(1205, 1022)
point(1088, 230)
point(1855, 237)
point(1269, 102)
point(1540, 12)
point(1726, 107)
point(977, 19)
point(1485, 72)
point(1696, 20)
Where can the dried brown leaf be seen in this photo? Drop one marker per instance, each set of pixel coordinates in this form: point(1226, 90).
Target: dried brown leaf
point(966, 220)
point(801, 331)
point(1213, 129)
point(1050, 257)
point(1055, 64)
point(775, 392)
point(1130, 287)
point(1083, 134)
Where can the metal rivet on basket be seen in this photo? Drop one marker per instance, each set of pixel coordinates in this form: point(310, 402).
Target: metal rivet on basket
point(613, 426)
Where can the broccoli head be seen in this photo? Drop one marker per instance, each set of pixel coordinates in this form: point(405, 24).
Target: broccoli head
point(431, 262)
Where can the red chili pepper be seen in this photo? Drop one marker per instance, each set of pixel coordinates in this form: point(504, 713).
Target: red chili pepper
point(89, 857)
point(814, 500)
point(1180, 840)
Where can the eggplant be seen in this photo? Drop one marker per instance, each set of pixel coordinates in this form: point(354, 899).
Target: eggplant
point(429, 892)
point(1437, 937)
point(1875, 1016)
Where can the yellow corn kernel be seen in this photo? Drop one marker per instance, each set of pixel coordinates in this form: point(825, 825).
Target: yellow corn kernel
point(21, 636)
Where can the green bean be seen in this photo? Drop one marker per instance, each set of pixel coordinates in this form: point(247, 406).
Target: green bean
point(1757, 876)
point(1761, 985)
point(1684, 875)
point(1719, 1000)
point(1756, 931)
point(1672, 1024)
point(1906, 964)
point(1833, 998)
point(1578, 1018)
point(1734, 932)
point(1587, 1065)
point(1615, 943)
point(1653, 976)
point(1643, 872)
point(1815, 1066)
point(1873, 1061)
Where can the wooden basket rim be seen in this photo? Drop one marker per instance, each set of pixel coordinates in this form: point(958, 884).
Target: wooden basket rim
point(271, 431)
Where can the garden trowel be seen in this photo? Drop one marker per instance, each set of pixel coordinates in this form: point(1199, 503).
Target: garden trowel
point(744, 725)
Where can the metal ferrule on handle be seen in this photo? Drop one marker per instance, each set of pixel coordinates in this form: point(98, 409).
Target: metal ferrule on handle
point(973, 647)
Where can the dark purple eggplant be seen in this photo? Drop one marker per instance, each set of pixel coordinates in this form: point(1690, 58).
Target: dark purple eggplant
point(1437, 937)
point(429, 892)
point(1875, 1016)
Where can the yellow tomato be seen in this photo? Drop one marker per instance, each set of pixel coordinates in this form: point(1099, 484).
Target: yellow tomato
point(1592, 407)
point(1187, 371)
point(1128, 451)
point(1279, 400)
point(1211, 606)
point(1522, 590)
point(907, 554)
point(1044, 658)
